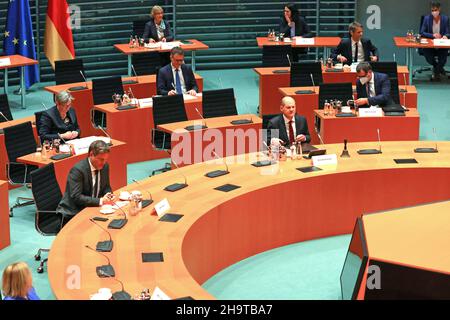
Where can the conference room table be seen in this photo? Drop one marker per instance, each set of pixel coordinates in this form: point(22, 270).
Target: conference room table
point(187, 45)
point(220, 136)
point(401, 42)
point(218, 228)
point(84, 101)
point(306, 103)
point(358, 129)
point(3, 153)
point(270, 80)
point(317, 42)
point(117, 164)
point(16, 61)
point(5, 239)
point(135, 128)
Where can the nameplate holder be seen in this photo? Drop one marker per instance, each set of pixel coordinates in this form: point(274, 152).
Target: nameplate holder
point(145, 103)
point(158, 294)
point(370, 112)
point(441, 42)
point(162, 207)
point(4, 62)
point(324, 160)
point(304, 41)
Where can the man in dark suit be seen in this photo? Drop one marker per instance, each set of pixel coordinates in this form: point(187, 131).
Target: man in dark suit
point(176, 77)
point(356, 48)
point(59, 121)
point(373, 88)
point(436, 26)
point(88, 182)
point(290, 126)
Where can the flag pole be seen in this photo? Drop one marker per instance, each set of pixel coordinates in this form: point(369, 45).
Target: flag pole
point(38, 37)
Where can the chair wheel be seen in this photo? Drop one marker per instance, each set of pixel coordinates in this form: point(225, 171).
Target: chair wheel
point(40, 270)
point(37, 257)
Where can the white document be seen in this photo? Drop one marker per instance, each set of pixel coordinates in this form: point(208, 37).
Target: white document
point(170, 45)
point(155, 45)
point(441, 42)
point(370, 112)
point(162, 207)
point(353, 67)
point(81, 146)
point(304, 41)
point(4, 62)
point(158, 294)
point(145, 103)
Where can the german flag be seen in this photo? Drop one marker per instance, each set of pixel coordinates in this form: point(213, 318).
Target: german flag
point(58, 34)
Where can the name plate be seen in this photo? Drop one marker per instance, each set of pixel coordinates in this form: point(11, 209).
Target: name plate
point(4, 62)
point(158, 294)
point(370, 112)
point(145, 103)
point(441, 42)
point(327, 159)
point(304, 41)
point(162, 207)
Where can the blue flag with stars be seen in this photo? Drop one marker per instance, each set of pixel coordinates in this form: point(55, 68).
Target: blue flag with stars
point(19, 37)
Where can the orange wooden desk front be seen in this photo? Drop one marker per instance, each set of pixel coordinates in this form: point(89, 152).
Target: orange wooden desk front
point(269, 83)
point(5, 239)
point(84, 101)
point(117, 164)
point(219, 229)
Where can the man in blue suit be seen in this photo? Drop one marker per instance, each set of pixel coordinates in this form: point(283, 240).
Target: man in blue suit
point(176, 77)
point(373, 88)
point(436, 26)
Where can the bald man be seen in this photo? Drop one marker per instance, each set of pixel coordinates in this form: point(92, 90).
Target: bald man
point(291, 126)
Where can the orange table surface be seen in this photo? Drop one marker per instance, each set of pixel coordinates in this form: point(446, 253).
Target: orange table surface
point(219, 229)
point(5, 239)
point(318, 42)
point(18, 61)
point(195, 45)
point(402, 43)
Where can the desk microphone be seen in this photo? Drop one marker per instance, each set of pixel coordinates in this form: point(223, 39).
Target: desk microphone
point(103, 246)
point(201, 116)
point(135, 73)
point(289, 59)
point(104, 271)
point(145, 203)
point(372, 151)
point(429, 150)
point(4, 117)
point(176, 186)
point(106, 133)
point(122, 294)
point(78, 88)
point(195, 126)
point(218, 173)
point(395, 60)
point(318, 134)
point(244, 121)
point(118, 223)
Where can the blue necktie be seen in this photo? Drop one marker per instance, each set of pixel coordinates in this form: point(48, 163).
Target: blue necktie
point(178, 82)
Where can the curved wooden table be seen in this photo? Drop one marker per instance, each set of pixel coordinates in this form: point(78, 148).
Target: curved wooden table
point(219, 229)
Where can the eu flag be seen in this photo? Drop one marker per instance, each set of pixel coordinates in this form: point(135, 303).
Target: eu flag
point(19, 37)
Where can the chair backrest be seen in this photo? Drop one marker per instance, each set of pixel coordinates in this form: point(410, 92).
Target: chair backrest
point(276, 56)
point(47, 195)
point(37, 116)
point(219, 103)
point(19, 140)
point(146, 63)
point(301, 74)
point(389, 68)
point(266, 118)
point(104, 88)
point(395, 93)
point(139, 27)
point(168, 109)
point(332, 91)
point(420, 50)
point(4, 108)
point(68, 71)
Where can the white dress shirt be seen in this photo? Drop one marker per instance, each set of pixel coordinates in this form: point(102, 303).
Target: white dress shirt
point(436, 26)
point(286, 122)
point(360, 51)
point(183, 84)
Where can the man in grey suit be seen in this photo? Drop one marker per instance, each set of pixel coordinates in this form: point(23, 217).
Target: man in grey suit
point(88, 182)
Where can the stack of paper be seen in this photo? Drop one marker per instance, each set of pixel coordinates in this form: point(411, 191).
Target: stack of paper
point(81, 146)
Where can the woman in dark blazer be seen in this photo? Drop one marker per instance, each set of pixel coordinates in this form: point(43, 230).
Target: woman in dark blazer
point(60, 121)
point(157, 29)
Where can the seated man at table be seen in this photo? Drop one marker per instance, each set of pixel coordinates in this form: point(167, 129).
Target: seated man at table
point(436, 26)
point(59, 122)
point(176, 77)
point(88, 182)
point(356, 48)
point(291, 126)
point(373, 88)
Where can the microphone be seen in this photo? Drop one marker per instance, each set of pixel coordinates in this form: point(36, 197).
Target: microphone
point(372, 151)
point(195, 126)
point(313, 83)
point(318, 134)
point(289, 59)
point(145, 203)
point(220, 83)
point(395, 60)
point(3, 116)
point(104, 271)
point(122, 294)
point(244, 121)
point(429, 150)
point(106, 133)
point(103, 246)
point(45, 107)
point(118, 223)
point(176, 186)
point(78, 88)
point(218, 173)
point(135, 73)
point(201, 116)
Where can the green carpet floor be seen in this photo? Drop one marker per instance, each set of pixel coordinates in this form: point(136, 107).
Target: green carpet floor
point(308, 270)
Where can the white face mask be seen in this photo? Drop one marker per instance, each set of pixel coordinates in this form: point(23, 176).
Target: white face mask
point(435, 13)
point(364, 80)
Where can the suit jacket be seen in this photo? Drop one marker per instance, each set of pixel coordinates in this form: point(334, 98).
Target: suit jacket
point(277, 122)
point(51, 124)
point(79, 187)
point(345, 49)
point(426, 30)
point(165, 79)
point(301, 28)
point(151, 32)
point(382, 90)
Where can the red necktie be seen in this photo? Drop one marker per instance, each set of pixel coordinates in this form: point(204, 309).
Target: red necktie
point(291, 132)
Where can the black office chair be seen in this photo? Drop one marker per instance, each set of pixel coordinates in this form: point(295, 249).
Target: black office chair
point(276, 56)
point(389, 68)
point(102, 90)
point(166, 109)
point(146, 63)
point(47, 195)
point(139, 27)
point(395, 92)
point(68, 71)
point(265, 122)
point(301, 74)
point(333, 91)
point(219, 103)
point(5, 109)
point(19, 141)
point(37, 116)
